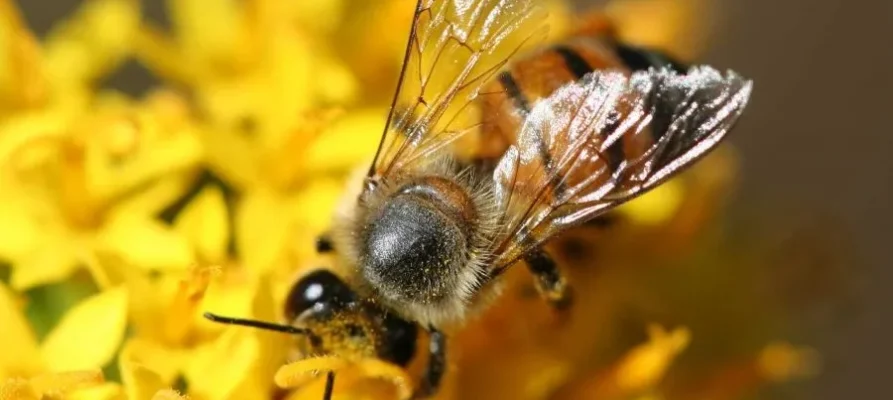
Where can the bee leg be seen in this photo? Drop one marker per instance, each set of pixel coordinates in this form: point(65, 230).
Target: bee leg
point(324, 244)
point(436, 363)
point(549, 281)
point(330, 385)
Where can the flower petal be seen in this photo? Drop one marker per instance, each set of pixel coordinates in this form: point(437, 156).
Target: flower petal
point(357, 377)
point(284, 163)
point(55, 260)
point(93, 42)
point(273, 346)
point(229, 153)
point(160, 54)
point(27, 139)
point(146, 243)
point(216, 369)
point(164, 361)
point(289, 70)
point(155, 197)
point(129, 151)
point(19, 232)
point(178, 321)
point(17, 389)
point(88, 336)
point(18, 345)
point(22, 82)
point(169, 394)
point(206, 223)
point(376, 369)
point(336, 84)
point(64, 382)
point(139, 381)
point(302, 371)
point(262, 228)
point(208, 31)
point(314, 390)
point(321, 16)
point(104, 391)
point(231, 293)
point(346, 143)
point(321, 196)
point(644, 365)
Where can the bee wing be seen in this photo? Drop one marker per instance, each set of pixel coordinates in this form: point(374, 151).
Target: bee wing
point(455, 46)
point(604, 140)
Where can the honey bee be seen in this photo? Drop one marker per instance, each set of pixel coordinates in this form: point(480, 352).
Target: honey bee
point(566, 133)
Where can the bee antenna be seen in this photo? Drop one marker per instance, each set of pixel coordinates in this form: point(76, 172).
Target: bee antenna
point(330, 385)
point(256, 324)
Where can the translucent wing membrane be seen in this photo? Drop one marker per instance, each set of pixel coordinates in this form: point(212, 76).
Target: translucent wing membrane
point(606, 139)
point(454, 48)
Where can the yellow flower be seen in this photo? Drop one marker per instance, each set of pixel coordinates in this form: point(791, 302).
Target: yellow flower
point(53, 385)
point(637, 374)
point(70, 157)
point(85, 340)
point(209, 198)
point(644, 365)
point(360, 379)
point(81, 185)
point(22, 85)
point(147, 370)
point(260, 72)
point(250, 63)
point(59, 74)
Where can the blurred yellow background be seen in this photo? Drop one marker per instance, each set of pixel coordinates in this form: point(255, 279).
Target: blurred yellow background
point(811, 149)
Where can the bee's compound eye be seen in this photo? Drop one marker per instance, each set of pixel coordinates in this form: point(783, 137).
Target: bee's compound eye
point(321, 290)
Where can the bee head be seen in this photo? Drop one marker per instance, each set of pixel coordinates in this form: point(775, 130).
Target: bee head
point(342, 323)
point(332, 319)
point(319, 295)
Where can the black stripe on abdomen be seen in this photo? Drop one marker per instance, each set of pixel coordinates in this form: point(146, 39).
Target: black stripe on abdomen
point(513, 91)
point(640, 58)
point(575, 63)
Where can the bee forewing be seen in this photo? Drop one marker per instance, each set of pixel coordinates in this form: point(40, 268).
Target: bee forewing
point(454, 48)
point(601, 141)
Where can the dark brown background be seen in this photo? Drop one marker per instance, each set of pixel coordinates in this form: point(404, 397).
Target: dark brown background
point(816, 141)
point(819, 135)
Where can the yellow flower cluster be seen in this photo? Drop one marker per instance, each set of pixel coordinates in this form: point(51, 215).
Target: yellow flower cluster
point(135, 215)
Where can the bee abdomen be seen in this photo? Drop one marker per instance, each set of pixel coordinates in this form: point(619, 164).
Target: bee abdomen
point(573, 61)
point(530, 79)
point(542, 72)
point(537, 75)
point(642, 58)
point(513, 92)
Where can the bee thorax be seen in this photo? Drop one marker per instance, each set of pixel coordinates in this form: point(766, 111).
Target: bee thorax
point(414, 249)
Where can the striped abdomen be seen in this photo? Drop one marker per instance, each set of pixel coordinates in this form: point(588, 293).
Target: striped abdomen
point(537, 74)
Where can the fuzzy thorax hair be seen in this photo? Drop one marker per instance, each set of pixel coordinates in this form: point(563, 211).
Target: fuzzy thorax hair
point(419, 241)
